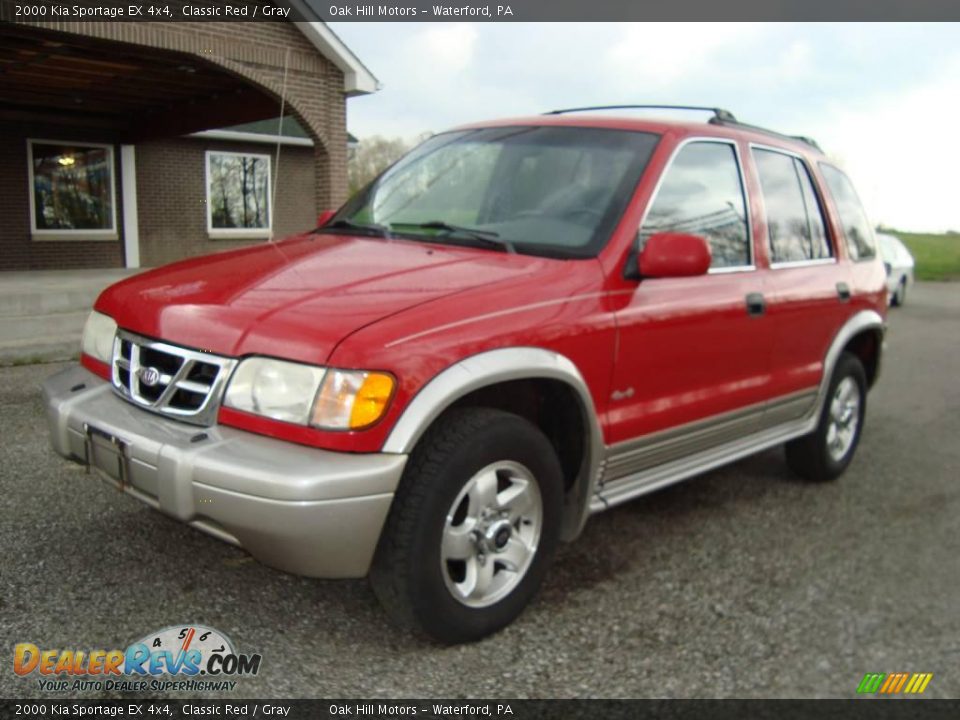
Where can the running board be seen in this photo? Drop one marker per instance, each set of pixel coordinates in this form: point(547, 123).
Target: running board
point(640, 483)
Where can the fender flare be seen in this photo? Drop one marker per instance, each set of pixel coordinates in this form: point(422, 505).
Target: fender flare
point(504, 365)
point(856, 324)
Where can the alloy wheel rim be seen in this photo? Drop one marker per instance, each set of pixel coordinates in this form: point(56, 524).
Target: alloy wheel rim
point(491, 534)
point(844, 419)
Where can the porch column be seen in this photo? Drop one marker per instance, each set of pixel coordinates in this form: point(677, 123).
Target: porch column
point(131, 224)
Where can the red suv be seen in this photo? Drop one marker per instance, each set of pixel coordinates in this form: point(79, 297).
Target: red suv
point(517, 325)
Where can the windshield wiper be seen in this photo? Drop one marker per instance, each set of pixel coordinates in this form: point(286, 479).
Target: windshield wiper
point(342, 224)
point(486, 237)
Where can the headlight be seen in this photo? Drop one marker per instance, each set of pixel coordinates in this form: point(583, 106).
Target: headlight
point(309, 395)
point(275, 389)
point(350, 400)
point(98, 333)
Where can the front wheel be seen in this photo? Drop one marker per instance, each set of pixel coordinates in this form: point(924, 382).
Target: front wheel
point(472, 528)
point(826, 452)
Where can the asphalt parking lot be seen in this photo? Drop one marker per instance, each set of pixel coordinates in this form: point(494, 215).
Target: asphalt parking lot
point(741, 583)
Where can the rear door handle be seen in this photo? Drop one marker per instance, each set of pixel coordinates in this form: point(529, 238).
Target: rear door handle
point(756, 305)
point(843, 291)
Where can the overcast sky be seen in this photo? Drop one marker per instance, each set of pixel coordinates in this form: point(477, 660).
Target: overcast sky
point(884, 99)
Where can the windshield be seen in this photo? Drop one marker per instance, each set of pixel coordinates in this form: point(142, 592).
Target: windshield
point(887, 248)
point(556, 191)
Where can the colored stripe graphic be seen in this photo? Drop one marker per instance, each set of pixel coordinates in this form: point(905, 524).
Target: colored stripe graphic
point(871, 682)
point(918, 683)
point(890, 682)
point(894, 683)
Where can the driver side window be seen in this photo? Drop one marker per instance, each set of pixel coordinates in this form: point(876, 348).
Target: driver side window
point(702, 194)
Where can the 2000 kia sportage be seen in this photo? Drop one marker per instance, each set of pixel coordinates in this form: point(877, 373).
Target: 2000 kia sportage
point(519, 324)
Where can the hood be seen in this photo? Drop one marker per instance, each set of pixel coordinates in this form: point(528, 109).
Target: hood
point(298, 298)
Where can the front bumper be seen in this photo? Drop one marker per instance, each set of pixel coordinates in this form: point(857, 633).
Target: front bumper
point(299, 509)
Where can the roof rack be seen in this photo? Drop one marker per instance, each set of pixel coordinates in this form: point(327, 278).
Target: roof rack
point(808, 140)
point(773, 133)
point(718, 113)
point(720, 117)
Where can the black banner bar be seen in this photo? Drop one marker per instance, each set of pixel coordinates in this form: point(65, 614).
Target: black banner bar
point(152, 709)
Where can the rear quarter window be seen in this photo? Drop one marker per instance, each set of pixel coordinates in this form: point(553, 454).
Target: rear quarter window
point(861, 243)
point(795, 226)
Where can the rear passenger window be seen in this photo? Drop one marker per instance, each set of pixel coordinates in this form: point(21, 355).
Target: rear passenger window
point(702, 194)
point(794, 221)
point(856, 228)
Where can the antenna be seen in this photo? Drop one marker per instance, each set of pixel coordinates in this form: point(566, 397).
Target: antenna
point(276, 162)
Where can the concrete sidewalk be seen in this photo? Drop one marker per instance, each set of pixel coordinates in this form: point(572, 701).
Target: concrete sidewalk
point(42, 311)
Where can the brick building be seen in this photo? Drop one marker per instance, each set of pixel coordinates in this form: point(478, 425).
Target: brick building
point(133, 144)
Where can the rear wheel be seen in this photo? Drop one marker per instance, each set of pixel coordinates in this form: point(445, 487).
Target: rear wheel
point(900, 294)
point(472, 528)
point(826, 452)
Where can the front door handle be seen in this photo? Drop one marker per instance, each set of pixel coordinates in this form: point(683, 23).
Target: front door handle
point(843, 292)
point(756, 305)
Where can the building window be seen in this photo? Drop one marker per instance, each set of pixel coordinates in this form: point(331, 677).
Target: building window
point(238, 195)
point(72, 190)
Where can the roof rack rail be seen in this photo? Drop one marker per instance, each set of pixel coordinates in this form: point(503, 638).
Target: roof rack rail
point(718, 113)
point(720, 117)
point(773, 133)
point(808, 140)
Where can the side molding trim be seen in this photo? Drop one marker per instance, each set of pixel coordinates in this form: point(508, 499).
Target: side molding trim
point(666, 470)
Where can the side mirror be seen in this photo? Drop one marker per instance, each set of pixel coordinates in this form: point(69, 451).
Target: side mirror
point(671, 254)
point(324, 217)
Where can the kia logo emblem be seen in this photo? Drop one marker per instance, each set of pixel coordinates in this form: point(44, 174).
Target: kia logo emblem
point(149, 376)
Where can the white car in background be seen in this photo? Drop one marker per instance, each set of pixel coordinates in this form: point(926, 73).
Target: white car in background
point(899, 264)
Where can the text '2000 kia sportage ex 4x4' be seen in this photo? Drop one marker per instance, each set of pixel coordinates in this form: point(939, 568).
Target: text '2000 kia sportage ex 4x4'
point(518, 324)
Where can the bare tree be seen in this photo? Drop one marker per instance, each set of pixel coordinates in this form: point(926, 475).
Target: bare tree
point(373, 155)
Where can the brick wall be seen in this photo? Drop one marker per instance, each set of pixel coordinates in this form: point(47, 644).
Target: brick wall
point(18, 251)
point(258, 52)
point(255, 51)
point(171, 196)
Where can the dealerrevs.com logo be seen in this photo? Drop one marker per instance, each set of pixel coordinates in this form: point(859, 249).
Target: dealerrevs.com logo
point(184, 657)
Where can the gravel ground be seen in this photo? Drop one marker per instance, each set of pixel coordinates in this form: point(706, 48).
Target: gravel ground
point(740, 583)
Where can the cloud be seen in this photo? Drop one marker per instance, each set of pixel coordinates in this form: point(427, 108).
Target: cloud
point(900, 150)
point(881, 96)
point(656, 55)
point(446, 49)
point(796, 60)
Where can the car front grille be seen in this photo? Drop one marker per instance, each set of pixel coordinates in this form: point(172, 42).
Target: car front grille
point(170, 380)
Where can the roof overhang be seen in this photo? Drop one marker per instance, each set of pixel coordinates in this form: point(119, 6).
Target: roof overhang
point(126, 92)
point(239, 136)
point(357, 79)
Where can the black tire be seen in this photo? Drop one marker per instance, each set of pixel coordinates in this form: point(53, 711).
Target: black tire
point(900, 294)
point(809, 456)
point(407, 574)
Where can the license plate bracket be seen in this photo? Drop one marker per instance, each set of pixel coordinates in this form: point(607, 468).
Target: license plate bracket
point(108, 454)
